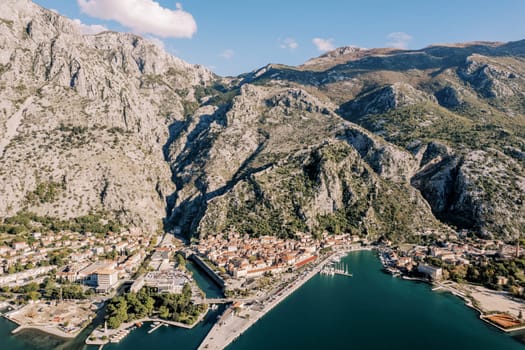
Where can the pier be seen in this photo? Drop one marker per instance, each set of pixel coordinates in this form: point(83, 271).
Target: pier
point(336, 268)
point(155, 327)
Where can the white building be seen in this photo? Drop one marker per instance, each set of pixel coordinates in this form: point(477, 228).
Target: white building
point(435, 273)
point(106, 279)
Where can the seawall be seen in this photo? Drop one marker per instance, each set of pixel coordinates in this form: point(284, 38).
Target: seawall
point(212, 274)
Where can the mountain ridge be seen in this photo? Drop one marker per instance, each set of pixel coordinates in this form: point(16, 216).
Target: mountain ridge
point(380, 142)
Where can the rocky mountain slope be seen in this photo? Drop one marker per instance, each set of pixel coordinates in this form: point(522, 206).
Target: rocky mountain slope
point(458, 110)
point(83, 119)
point(373, 142)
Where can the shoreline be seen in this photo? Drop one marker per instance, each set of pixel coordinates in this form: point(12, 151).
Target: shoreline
point(469, 301)
point(52, 330)
point(125, 327)
point(216, 340)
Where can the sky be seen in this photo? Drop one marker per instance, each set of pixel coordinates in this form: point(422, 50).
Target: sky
point(237, 36)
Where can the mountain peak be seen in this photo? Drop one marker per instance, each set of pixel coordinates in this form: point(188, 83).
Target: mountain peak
point(344, 54)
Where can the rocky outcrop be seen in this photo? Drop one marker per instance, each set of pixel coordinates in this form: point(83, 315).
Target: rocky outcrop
point(449, 97)
point(491, 79)
point(464, 190)
point(88, 115)
point(112, 123)
point(387, 160)
point(387, 98)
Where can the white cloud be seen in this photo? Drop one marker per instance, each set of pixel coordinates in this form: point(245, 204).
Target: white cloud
point(324, 44)
point(89, 29)
point(399, 40)
point(289, 43)
point(227, 54)
point(143, 16)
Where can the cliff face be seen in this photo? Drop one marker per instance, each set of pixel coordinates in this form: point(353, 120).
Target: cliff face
point(277, 160)
point(375, 142)
point(83, 119)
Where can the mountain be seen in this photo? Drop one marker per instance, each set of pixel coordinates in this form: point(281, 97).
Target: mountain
point(84, 119)
point(374, 142)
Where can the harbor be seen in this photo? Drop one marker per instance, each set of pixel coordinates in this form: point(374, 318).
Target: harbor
point(411, 311)
point(336, 267)
point(411, 316)
point(232, 325)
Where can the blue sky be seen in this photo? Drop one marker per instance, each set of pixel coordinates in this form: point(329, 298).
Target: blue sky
point(237, 36)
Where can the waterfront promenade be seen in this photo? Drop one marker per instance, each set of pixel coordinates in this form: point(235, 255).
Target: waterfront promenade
point(46, 329)
point(231, 325)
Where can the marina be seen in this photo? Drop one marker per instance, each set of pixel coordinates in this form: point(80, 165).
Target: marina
point(354, 304)
point(336, 267)
point(372, 311)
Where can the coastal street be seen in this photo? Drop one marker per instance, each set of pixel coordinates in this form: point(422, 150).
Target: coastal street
point(231, 325)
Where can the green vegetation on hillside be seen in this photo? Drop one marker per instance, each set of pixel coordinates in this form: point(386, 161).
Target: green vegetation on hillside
point(27, 222)
point(45, 192)
point(429, 122)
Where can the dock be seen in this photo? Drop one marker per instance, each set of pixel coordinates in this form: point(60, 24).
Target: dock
point(336, 268)
point(342, 273)
point(155, 327)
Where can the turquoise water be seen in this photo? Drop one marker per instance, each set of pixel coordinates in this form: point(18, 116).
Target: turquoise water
point(204, 282)
point(34, 340)
point(163, 338)
point(370, 310)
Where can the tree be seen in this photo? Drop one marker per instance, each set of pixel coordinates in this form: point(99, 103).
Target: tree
point(50, 289)
point(114, 322)
point(153, 241)
point(164, 312)
point(112, 255)
point(473, 274)
point(181, 262)
point(118, 312)
point(33, 295)
point(31, 287)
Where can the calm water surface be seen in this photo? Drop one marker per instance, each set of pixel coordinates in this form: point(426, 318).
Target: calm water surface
point(370, 310)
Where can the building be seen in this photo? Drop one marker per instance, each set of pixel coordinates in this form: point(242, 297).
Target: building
point(106, 279)
point(24, 277)
point(137, 285)
point(100, 274)
point(70, 272)
point(20, 245)
point(434, 273)
point(166, 281)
